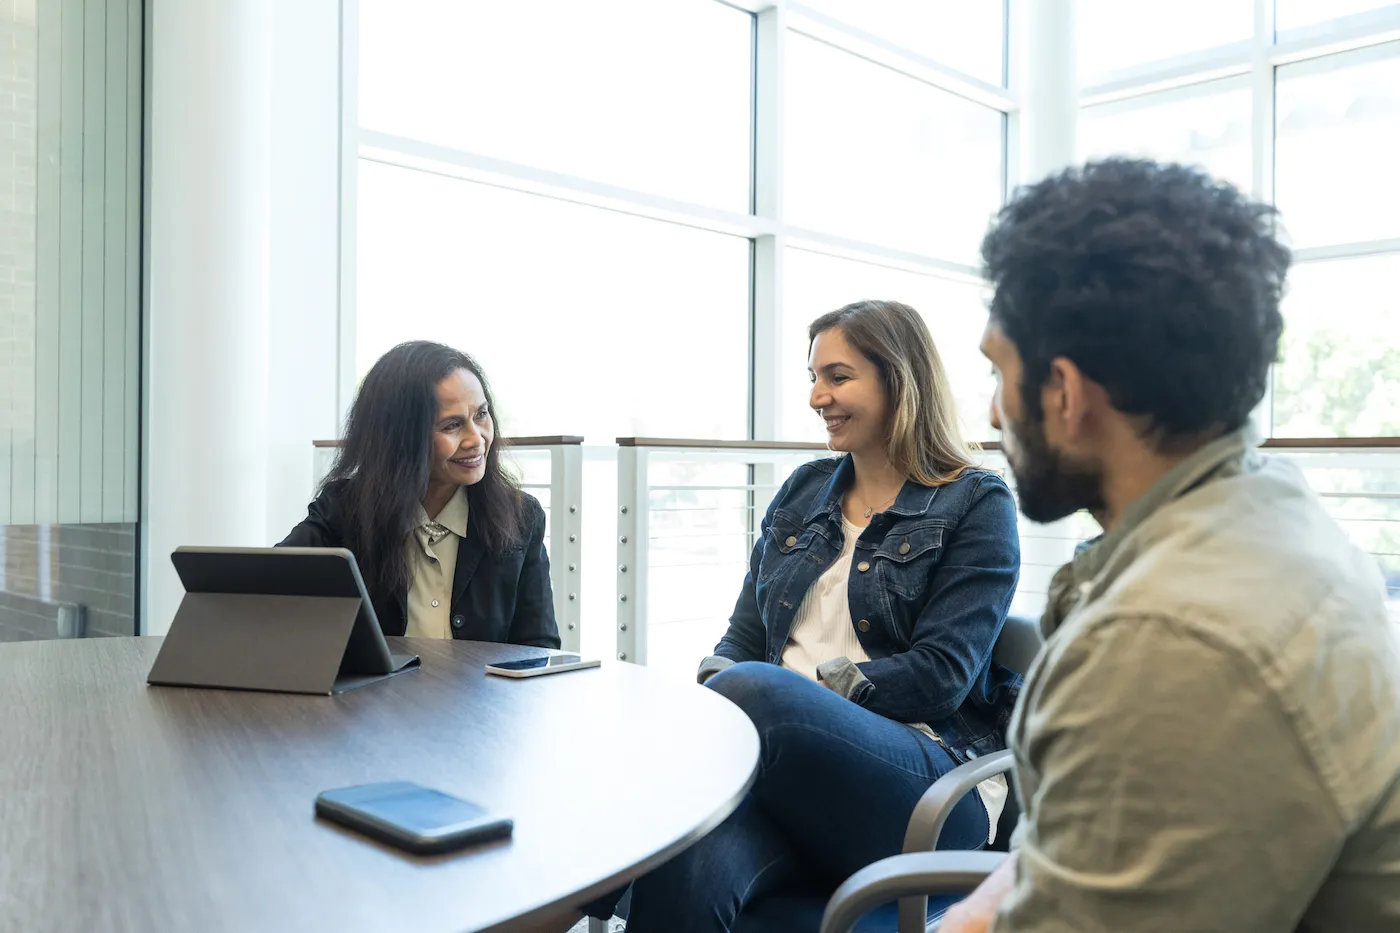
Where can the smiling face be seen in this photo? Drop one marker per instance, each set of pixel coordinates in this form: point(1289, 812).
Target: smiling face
point(849, 394)
point(463, 431)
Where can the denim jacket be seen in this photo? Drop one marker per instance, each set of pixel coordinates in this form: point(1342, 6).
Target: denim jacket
point(931, 582)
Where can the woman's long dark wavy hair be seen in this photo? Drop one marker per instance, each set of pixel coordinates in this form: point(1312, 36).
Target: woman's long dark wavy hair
point(385, 461)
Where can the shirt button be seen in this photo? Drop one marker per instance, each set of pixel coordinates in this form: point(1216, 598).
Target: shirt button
point(904, 548)
point(863, 566)
point(791, 541)
point(863, 625)
point(458, 621)
point(435, 604)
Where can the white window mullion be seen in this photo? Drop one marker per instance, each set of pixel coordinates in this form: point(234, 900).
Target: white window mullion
point(1262, 150)
point(1262, 87)
point(1043, 73)
point(770, 43)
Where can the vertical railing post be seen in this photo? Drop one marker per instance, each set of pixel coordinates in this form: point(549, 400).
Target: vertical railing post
point(566, 541)
point(632, 554)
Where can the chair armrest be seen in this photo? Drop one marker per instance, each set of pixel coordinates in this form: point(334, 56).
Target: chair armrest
point(898, 876)
point(938, 801)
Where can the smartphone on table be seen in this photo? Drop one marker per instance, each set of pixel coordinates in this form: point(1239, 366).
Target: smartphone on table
point(535, 667)
point(411, 817)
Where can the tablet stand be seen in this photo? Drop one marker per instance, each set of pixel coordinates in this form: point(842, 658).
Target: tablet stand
point(286, 644)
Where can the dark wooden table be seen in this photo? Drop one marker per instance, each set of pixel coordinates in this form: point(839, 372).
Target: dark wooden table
point(128, 807)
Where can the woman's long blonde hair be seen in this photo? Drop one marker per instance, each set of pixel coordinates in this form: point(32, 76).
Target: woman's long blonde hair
point(925, 440)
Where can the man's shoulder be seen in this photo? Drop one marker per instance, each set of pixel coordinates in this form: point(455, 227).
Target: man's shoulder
point(1254, 571)
point(1253, 558)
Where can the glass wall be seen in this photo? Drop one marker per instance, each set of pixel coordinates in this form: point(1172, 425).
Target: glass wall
point(70, 325)
point(1303, 125)
point(1300, 108)
point(612, 203)
point(631, 210)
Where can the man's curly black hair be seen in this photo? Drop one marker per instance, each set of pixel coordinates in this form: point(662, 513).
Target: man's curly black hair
point(1159, 283)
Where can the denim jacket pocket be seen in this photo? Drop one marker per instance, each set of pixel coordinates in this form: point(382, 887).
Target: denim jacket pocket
point(906, 555)
point(787, 544)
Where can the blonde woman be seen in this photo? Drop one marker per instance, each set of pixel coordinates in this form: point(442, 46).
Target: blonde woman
point(861, 644)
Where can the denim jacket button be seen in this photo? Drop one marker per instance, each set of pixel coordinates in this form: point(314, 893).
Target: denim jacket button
point(863, 566)
point(904, 548)
point(863, 625)
point(791, 541)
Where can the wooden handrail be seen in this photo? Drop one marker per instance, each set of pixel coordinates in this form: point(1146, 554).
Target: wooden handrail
point(1273, 443)
point(1335, 443)
point(551, 440)
point(692, 442)
point(571, 440)
point(1297, 443)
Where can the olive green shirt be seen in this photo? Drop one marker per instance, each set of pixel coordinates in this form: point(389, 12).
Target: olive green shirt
point(1210, 739)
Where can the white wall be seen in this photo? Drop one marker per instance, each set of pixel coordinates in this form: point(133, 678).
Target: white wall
point(303, 296)
point(242, 274)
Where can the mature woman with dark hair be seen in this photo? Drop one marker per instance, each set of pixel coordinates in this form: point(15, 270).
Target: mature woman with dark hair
point(447, 542)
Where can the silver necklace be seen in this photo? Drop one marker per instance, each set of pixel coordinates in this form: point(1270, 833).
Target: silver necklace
point(871, 511)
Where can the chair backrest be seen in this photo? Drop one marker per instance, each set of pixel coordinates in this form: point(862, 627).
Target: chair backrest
point(1018, 644)
point(1015, 649)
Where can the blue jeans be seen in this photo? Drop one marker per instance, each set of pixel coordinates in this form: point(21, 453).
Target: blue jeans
point(836, 786)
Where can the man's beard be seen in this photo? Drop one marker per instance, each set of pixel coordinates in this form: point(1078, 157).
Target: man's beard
point(1049, 485)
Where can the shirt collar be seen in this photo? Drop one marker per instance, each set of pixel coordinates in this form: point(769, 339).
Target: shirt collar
point(452, 518)
point(1224, 456)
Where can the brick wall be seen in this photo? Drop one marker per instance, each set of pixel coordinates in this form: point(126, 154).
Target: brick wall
point(93, 566)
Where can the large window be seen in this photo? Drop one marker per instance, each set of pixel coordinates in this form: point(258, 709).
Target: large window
point(1340, 375)
point(1294, 15)
point(599, 196)
point(1306, 114)
point(1208, 125)
point(646, 95)
point(1336, 176)
point(635, 328)
point(1301, 124)
point(966, 37)
point(629, 210)
point(876, 156)
point(1117, 36)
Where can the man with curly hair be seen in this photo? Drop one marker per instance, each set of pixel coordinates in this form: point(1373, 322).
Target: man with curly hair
point(1210, 739)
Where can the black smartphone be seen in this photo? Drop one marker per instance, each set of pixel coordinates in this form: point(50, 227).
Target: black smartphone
point(414, 818)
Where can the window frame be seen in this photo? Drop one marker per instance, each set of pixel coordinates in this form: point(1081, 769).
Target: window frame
point(1325, 46)
point(765, 224)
